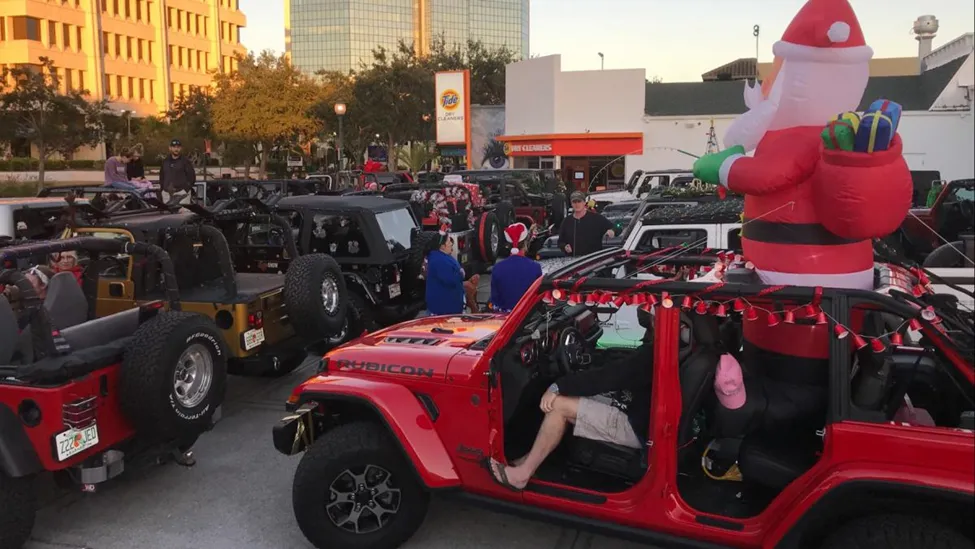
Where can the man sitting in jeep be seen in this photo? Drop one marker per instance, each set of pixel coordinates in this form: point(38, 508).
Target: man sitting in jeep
point(609, 404)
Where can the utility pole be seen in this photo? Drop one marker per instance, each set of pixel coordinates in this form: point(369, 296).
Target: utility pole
point(602, 61)
point(756, 30)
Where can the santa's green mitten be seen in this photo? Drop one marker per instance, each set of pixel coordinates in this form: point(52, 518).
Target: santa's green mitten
point(708, 167)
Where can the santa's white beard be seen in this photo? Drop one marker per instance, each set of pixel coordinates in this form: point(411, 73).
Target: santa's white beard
point(804, 94)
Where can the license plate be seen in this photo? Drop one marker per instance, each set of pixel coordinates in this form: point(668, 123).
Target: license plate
point(253, 338)
point(75, 441)
point(394, 291)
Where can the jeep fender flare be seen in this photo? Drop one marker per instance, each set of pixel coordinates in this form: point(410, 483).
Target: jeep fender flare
point(851, 499)
point(17, 455)
point(401, 412)
point(355, 280)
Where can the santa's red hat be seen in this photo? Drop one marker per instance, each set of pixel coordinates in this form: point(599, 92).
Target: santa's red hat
point(515, 234)
point(825, 31)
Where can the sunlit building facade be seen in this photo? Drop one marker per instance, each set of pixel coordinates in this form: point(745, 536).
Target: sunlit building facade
point(141, 55)
point(339, 35)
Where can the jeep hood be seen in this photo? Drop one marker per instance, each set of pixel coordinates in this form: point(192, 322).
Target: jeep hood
point(421, 348)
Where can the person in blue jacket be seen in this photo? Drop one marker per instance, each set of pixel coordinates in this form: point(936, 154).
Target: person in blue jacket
point(445, 280)
point(512, 277)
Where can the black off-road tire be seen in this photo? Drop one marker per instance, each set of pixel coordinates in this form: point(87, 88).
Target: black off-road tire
point(947, 256)
point(359, 319)
point(147, 378)
point(18, 503)
point(348, 446)
point(303, 296)
point(486, 226)
point(895, 532)
point(422, 243)
point(505, 214)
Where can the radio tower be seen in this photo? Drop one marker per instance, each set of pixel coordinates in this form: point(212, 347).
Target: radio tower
point(712, 140)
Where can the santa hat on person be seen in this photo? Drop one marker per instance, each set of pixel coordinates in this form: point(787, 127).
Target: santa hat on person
point(825, 31)
point(515, 234)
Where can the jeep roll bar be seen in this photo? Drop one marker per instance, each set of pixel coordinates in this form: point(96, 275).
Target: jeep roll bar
point(256, 208)
point(101, 245)
point(208, 234)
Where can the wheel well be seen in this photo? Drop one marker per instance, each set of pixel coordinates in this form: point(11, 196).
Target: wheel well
point(341, 411)
point(855, 500)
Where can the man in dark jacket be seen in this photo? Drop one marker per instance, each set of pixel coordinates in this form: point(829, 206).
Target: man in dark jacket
point(582, 232)
point(610, 404)
point(177, 174)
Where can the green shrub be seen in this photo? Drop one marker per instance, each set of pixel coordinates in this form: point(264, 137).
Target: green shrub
point(19, 164)
point(81, 164)
point(4, 166)
point(98, 164)
point(12, 187)
point(54, 165)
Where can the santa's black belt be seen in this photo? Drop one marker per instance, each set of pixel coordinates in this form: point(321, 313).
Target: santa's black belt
point(773, 232)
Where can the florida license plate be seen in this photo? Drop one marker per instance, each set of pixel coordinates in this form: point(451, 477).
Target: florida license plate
point(394, 291)
point(253, 338)
point(75, 441)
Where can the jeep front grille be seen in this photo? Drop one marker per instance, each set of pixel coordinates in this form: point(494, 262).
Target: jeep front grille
point(80, 413)
point(414, 340)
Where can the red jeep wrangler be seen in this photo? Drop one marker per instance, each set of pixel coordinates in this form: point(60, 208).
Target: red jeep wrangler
point(82, 400)
point(874, 449)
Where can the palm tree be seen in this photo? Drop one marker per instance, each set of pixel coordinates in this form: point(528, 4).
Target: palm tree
point(415, 156)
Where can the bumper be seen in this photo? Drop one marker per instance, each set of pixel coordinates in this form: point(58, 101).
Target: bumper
point(295, 432)
point(269, 359)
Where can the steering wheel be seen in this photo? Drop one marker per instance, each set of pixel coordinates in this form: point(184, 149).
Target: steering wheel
point(571, 352)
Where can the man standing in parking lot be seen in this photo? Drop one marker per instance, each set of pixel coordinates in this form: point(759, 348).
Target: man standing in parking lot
point(177, 174)
point(582, 233)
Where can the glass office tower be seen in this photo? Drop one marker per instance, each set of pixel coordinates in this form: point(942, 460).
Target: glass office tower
point(338, 35)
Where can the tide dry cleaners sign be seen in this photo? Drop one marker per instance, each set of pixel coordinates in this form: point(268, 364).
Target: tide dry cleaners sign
point(452, 100)
point(525, 148)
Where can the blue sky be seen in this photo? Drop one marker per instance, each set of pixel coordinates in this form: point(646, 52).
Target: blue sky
point(674, 39)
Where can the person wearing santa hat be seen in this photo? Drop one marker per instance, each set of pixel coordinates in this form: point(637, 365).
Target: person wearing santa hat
point(810, 213)
point(512, 276)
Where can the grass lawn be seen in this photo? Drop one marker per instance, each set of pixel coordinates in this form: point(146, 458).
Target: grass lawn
point(10, 189)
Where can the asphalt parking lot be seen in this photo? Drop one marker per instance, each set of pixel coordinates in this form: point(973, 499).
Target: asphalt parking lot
point(238, 496)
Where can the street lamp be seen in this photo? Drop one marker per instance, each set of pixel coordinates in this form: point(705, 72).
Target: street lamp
point(340, 112)
point(602, 61)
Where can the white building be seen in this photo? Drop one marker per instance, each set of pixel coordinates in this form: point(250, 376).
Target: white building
point(601, 126)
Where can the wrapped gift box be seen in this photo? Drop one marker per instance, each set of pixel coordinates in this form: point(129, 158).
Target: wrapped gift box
point(839, 135)
point(850, 117)
point(875, 132)
point(890, 109)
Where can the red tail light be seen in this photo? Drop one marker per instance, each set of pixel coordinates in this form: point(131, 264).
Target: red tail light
point(80, 413)
point(256, 320)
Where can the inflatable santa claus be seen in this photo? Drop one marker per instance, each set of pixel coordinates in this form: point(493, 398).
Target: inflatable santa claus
point(811, 210)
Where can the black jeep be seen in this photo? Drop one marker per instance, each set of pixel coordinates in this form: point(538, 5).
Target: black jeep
point(376, 242)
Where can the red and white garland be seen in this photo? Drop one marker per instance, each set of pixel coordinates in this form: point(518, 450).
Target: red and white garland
point(440, 198)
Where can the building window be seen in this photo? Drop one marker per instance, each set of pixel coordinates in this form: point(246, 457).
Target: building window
point(171, 55)
point(104, 5)
point(3, 29)
point(52, 34)
point(118, 86)
point(140, 45)
point(115, 8)
point(66, 29)
point(68, 84)
point(142, 90)
point(128, 9)
point(77, 43)
point(107, 81)
point(169, 17)
point(81, 80)
point(128, 47)
point(152, 93)
point(131, 88)
point(206, 25)
point(199, 61)
point(26, 28)
point(138, 10)
point(221, 30)
point(118, 45)
point(180, 53)
point(149, 15)
point(179, 20)
point(149, 52)
point(106, 39)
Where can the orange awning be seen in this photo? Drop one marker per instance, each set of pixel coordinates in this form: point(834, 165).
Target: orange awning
point(573, 144)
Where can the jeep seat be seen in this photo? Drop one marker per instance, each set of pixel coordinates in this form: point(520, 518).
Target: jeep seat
point(65, 302)
point(696, 372)
point(775, 462)
point(8, 331)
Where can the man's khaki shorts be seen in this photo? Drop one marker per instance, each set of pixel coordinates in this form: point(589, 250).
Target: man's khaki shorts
point(596, 419)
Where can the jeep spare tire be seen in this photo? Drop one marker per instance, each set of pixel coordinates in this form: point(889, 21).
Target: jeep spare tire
point(174, 375)
point(315, 296)
point(505, 214)
point(559, 209)
point(421, 243)
point(488, 235)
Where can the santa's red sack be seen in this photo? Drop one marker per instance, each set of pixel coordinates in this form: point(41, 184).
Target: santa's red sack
point(862, 195)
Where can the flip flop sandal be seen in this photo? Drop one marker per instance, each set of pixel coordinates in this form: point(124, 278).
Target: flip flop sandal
point(503, 481)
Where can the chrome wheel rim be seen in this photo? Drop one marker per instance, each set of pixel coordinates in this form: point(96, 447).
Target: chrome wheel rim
point(341, 335)
point(193, 376)
point(362, 500)
point(495, 241)
point(330, 295)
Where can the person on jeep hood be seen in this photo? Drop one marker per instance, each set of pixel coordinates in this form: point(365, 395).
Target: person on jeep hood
point(177, 173)
point(512, 277)
point(609, 404)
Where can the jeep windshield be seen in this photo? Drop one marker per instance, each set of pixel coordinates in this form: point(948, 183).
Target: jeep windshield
point(396, 225)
